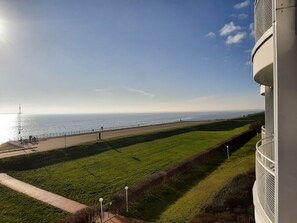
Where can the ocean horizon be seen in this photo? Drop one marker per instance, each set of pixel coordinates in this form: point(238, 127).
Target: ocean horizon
point(43, 124)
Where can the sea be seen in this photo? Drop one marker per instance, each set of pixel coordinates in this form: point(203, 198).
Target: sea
point(51, 125)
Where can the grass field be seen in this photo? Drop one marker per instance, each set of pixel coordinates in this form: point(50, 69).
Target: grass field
point(189, 205)
point(13, 209)
point(161, 198)
point(86, 179)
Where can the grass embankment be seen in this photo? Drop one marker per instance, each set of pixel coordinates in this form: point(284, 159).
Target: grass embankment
point(7, 146)
point(16, 208)
point(234, 203)
point(41, 159)
point(189, 205)
point(86, 179)
point(182, 199)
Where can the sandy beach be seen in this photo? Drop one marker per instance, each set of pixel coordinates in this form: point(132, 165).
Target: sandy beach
point(62, 142)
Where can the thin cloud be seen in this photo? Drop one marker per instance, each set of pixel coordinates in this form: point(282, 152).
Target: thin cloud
point(240, 16)
point(229, 28)
point(252, 29)
point(207, 98)
point(211, 35)
point(237, 38)
point(100, 90)
point(242, 4)
point(248, 63)
point(140, 92)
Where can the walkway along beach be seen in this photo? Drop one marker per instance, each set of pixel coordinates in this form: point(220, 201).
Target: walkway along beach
point(66, 141)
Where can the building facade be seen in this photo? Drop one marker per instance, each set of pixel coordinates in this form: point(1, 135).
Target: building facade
point(275, 69)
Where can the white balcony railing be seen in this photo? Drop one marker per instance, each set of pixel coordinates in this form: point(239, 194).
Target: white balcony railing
point(263, 17)
point(265, 177)
point(263, 132)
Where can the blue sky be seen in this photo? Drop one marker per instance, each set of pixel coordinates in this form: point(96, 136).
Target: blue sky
point(99, 56)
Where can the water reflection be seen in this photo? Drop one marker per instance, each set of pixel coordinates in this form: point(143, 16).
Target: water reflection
point(8, 127)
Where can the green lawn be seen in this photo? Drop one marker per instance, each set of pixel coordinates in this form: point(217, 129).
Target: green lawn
point(86, 179)
point(16, 208)
point(188, 206)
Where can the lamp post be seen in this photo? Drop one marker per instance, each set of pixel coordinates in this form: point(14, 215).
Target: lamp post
point(110, 203)
point(101, 208)
point(127, 207)
point(228, 151)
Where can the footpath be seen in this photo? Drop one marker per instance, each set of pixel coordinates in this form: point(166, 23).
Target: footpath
point(52, 199)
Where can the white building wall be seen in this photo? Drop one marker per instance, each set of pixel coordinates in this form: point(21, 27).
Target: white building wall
point(285, 96)
point(269, 120)
point(269, 117)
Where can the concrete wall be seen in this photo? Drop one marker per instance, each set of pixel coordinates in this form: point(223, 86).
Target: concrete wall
point(285, 93)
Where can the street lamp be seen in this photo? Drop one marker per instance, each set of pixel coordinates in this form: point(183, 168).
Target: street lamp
point(101, 208)
point(127, 208)
point(228, 152)
point(65, 132)
point(110, 203)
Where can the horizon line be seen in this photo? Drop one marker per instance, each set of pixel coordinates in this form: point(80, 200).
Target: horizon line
point(142, 112)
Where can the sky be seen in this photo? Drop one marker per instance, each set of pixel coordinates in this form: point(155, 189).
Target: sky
point(115, 56)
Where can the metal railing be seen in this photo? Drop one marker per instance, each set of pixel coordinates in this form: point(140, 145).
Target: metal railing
point(263, 17)
point(25, 138)
point(87, 131)
point(265, 175)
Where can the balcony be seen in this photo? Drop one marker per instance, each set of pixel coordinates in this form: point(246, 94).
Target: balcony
point(263, 59)
point(264, 187)
point(262, 55)
point(263, 17)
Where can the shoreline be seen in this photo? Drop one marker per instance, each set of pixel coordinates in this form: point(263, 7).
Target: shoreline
point(110, 129)
point(64, 141)
point(87, 124)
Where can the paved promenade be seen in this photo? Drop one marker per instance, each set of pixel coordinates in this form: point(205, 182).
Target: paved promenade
point(52, 199)
point(62, 142)
point(41, 195)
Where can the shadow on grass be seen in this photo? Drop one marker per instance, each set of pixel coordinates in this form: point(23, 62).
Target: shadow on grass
point(234, 202)
point(37, 160)
point(156, 202)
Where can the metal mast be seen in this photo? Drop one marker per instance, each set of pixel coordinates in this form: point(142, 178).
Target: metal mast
point(20, 123)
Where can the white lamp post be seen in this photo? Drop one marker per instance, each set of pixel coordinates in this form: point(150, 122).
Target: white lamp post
point(101, 208)
point(228, 152)
point(127, 207)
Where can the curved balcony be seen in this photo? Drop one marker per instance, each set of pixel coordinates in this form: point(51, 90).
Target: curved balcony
point(264, 188)
point(262, 58)
point(263, 17)
point(263, 132)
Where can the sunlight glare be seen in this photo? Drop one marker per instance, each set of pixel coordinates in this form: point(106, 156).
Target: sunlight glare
point(2, 31)
point(8, 127)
